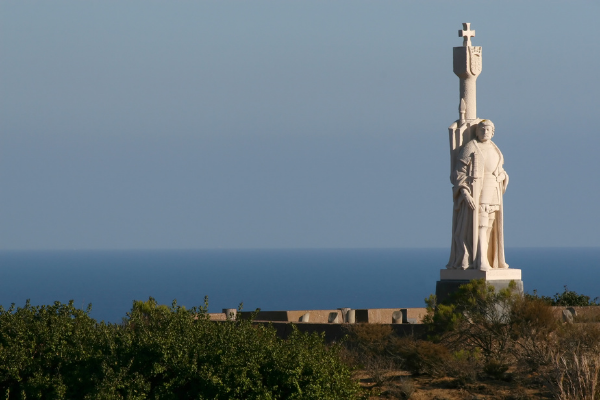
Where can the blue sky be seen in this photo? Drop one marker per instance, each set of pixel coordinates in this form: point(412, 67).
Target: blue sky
point(263, 124)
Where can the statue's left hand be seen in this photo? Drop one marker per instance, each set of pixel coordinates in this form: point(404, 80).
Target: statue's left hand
point(505, 181)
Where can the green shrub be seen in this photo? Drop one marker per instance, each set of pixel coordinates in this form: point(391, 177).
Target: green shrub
point(158, 352)
point(567, 298)
point(52, 352)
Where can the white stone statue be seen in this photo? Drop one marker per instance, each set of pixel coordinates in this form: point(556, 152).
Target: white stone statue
point(476, 172)
point(479, 182)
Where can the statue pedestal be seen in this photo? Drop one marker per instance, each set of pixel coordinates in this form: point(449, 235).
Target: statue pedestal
point(452, 279)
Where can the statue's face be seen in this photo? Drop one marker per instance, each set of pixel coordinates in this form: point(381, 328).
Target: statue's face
point(485, 133)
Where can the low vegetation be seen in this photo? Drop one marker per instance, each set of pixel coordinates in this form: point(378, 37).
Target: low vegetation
point(159, 352)
point(480, 344)
point(567, 298)
point(484, 344)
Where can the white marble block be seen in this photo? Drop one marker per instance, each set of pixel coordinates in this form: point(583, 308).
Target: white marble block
point(495, 274)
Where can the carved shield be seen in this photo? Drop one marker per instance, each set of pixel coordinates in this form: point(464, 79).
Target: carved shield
point(475, 57)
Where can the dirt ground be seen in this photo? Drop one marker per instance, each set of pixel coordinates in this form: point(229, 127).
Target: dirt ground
point(401, 385)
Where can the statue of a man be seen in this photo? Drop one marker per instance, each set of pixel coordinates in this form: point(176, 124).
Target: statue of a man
point(479, 183)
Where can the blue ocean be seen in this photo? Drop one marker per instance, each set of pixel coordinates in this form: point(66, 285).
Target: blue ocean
point(266, 279)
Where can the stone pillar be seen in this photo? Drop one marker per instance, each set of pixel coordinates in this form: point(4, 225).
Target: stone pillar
point(334, 318)
point(344, 312)
point(351, 316)
point(305, 317)
point(230, 313)
point(467, 66)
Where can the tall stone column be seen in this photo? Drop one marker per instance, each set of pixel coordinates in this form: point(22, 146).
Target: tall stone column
point(467, 66)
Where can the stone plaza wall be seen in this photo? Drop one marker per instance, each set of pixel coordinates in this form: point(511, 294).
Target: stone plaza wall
point(339, 316)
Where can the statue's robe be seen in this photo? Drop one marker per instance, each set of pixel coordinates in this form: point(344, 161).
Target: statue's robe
point(468, 174)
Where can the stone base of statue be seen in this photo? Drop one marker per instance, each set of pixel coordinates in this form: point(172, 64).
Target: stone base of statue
point(452, 279)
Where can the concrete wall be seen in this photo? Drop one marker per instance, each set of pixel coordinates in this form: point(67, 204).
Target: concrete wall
point(283, 321)
point(384, 315)
point(314, 316)
point(375, 315)
point(217, 316)
point(371, 316)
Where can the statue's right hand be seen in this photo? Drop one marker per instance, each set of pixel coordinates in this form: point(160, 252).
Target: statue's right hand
point(469, 199)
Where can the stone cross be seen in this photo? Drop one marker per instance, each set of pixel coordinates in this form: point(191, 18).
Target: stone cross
point(466, 33)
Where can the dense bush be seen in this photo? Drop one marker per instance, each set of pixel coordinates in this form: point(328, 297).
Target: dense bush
point(158, 352)
point(567, 298)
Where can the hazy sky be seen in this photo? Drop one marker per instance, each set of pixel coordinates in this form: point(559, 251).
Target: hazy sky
point(189, 124)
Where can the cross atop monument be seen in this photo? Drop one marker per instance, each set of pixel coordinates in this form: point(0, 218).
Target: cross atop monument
point(466, 33)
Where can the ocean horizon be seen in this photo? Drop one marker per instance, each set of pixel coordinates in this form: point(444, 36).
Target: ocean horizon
point(270, 279)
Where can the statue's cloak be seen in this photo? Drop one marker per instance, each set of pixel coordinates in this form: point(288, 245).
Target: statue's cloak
point(468, 174)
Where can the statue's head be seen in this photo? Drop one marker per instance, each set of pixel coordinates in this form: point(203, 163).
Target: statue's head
point(485, 130)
